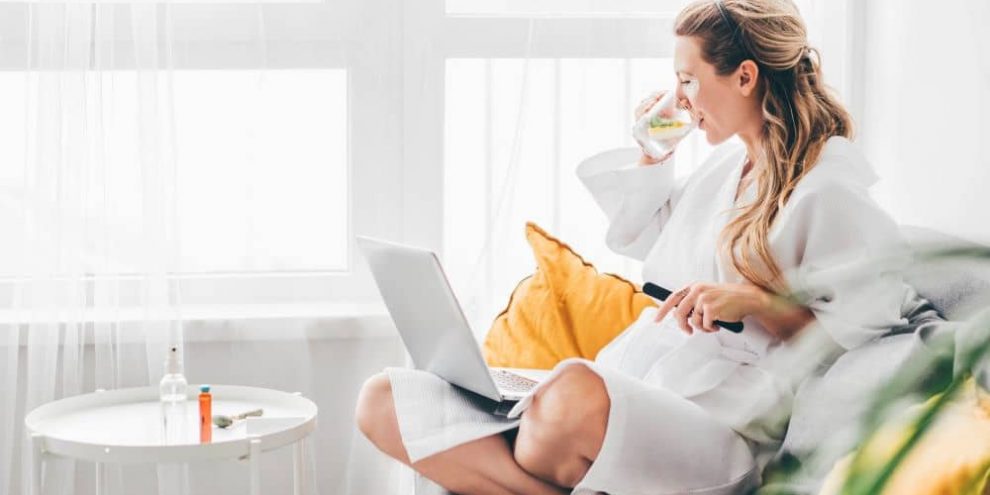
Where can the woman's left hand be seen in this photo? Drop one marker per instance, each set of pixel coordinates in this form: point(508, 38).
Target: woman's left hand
point(701, 304)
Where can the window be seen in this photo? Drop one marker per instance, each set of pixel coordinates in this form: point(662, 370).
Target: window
point(570, 109)
point(554, 90)
point(368, 112)
point(263, 186)
point(287, 134)
point(246, 203)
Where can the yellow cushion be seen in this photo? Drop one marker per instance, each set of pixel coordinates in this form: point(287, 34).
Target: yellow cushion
point(953, 456)
point(565, 309)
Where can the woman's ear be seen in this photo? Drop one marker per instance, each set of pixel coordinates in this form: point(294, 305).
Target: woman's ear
point(748, 76)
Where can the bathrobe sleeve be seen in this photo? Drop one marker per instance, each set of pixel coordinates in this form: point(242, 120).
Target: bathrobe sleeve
point(849, 257)
point(636, 199)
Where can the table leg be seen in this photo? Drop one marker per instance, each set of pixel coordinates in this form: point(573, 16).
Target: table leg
point(255, 459)
point(298, 464)
point(101, 478)
point(101, 481)
point(37, 452)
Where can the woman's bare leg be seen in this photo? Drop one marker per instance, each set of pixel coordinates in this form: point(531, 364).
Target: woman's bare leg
point(484, 466)
point(562, 432)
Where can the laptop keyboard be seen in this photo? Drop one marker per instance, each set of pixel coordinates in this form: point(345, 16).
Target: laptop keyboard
point(511, 382)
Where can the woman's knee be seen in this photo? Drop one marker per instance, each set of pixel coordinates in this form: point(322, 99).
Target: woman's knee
point(562, 431)
point(575, 397)
point(375, 409)
point(576, 391)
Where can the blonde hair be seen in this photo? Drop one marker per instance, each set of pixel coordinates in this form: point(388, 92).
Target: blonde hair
point(799, 113)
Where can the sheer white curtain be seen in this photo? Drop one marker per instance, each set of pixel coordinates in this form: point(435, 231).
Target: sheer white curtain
point(89, 218)
point(96, 210)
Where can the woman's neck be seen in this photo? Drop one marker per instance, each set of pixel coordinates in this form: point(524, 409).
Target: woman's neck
point(748, 172)
point(752, 141)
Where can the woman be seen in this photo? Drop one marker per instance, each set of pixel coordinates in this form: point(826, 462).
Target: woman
point(674, 404)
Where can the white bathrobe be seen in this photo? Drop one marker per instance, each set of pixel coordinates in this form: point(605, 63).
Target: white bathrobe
point(700, 413)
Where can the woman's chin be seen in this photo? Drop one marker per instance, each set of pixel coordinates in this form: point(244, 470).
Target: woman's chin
point(713, 137)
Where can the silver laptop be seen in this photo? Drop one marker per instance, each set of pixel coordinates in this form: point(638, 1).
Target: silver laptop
point(433, 327)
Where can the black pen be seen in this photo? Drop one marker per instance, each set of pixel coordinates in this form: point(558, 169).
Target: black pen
point(657, 292)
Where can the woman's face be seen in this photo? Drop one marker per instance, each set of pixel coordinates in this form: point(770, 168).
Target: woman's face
point(725, 105)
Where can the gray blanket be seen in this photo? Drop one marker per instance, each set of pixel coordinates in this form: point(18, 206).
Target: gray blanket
point(828, 405)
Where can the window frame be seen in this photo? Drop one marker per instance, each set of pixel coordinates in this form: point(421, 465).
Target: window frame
point(293, 40)
point(396, 188)
point(434, 36)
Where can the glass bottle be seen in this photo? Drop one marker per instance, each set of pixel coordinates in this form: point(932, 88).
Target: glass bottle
point(172, 394)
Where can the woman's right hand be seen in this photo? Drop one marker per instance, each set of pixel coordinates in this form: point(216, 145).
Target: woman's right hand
point(641, 109)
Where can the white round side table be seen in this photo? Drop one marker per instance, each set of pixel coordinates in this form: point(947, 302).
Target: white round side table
point(126, 426)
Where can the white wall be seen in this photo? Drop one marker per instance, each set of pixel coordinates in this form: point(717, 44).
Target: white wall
point(930, 62)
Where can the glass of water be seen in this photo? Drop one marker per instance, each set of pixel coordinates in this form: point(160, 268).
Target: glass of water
point(664, 125)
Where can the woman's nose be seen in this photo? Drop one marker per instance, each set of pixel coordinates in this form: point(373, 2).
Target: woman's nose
point(682, 99)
